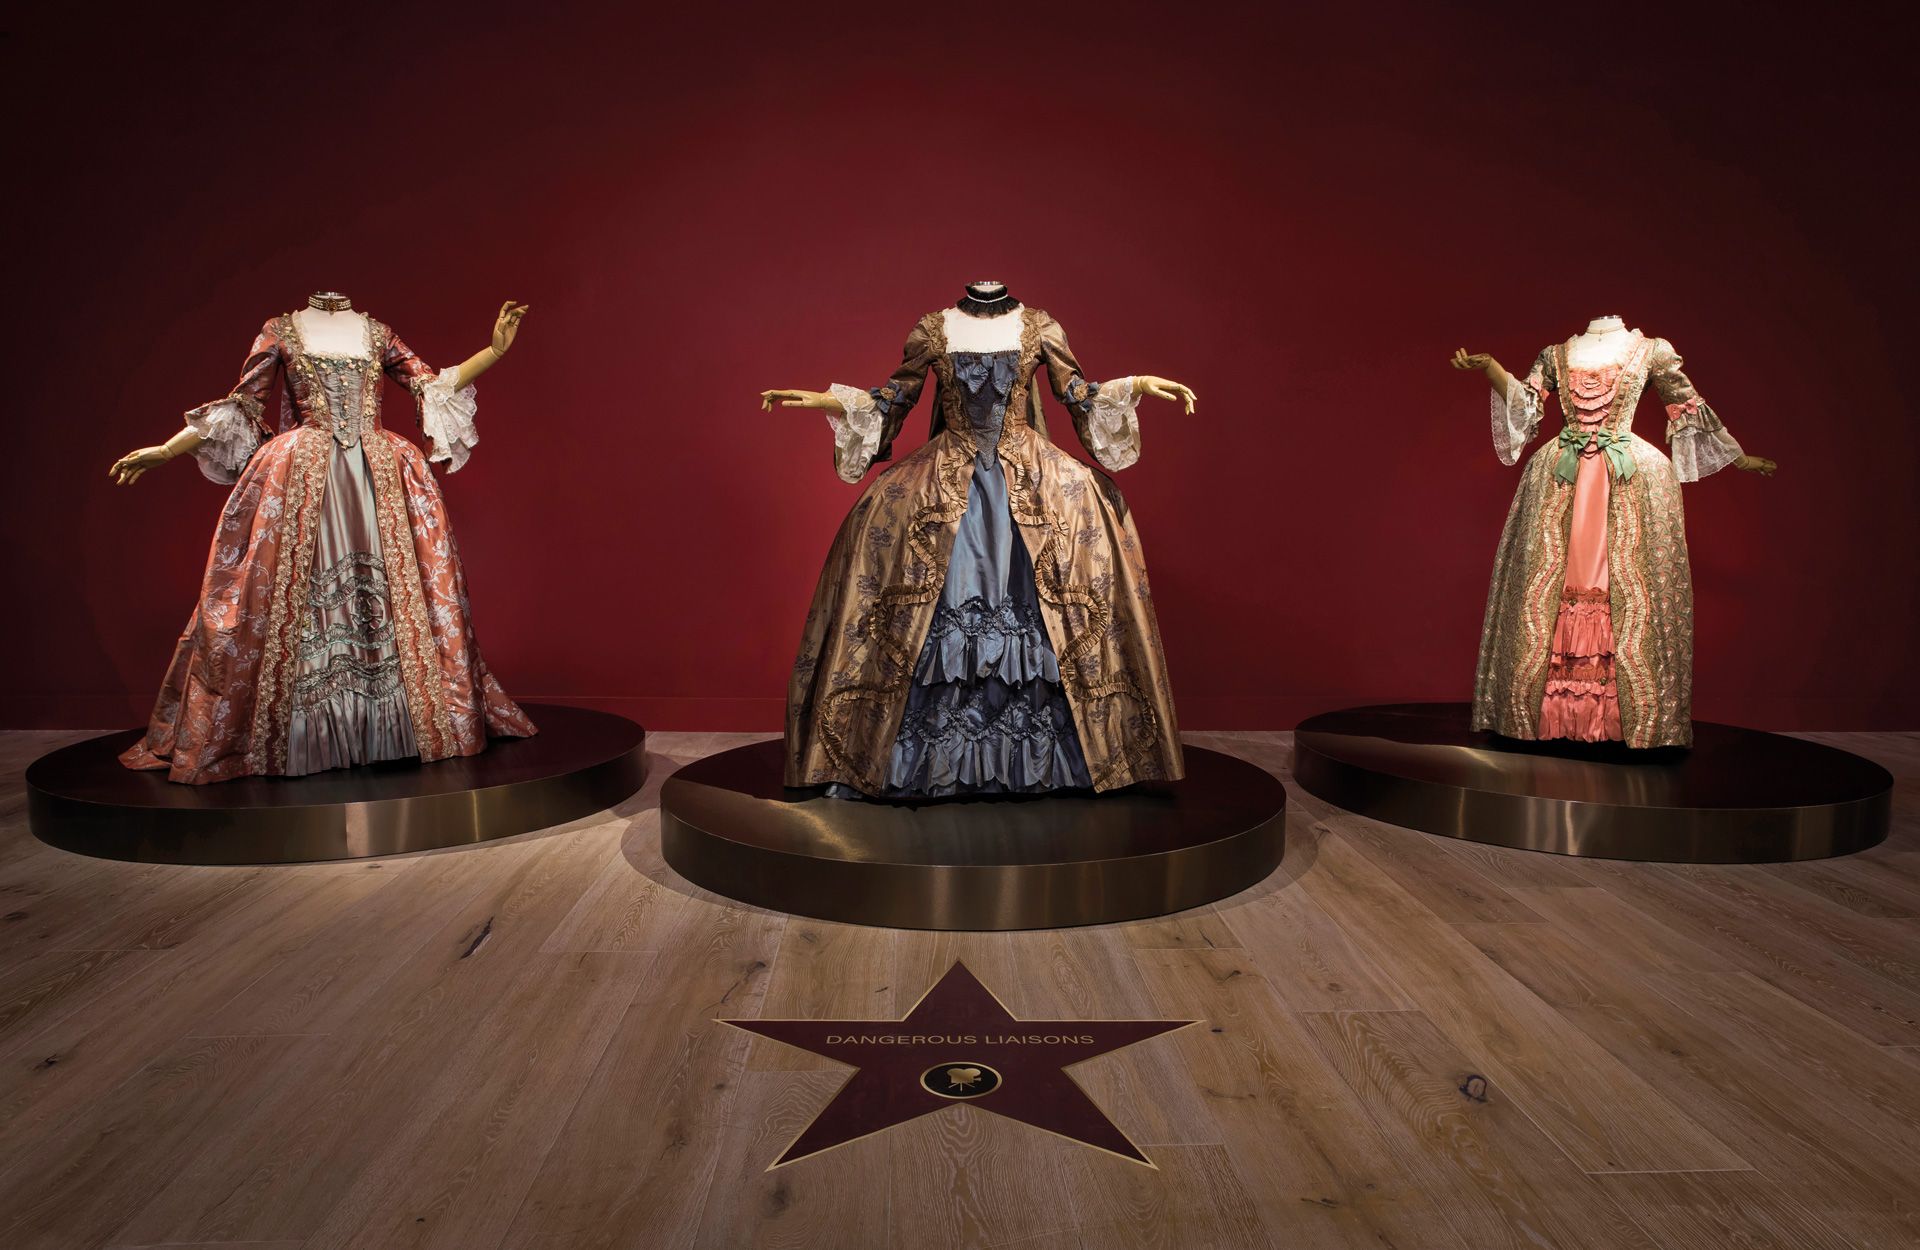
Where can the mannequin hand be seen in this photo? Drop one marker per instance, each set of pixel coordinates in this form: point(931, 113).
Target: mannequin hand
point(1465, 360)
point(800, 399)
point(1756, 464)
point(128, 468)
point(506, 326)
point(1163, 388)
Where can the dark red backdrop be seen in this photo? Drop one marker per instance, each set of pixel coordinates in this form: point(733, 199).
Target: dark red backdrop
point(1301, 215)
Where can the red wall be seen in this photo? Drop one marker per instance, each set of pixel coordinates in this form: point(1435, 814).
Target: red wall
point(1300, 215)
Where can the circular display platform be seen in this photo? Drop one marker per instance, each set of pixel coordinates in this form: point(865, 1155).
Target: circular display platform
point(1738, 796)
point(729, 825)
point(80, 798)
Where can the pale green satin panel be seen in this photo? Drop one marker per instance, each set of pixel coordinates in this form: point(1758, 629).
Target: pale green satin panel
point(350, 706)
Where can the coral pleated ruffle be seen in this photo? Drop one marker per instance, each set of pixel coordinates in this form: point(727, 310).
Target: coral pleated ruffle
point(1582, 699)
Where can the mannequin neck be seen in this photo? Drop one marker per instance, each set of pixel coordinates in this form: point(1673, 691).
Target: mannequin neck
point(329, 302)
point(986, 298)
point(1605, 325)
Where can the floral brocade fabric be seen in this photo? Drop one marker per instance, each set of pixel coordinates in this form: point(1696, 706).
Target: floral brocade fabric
point(983, 622)
point(1589, 624)
point(332, 626)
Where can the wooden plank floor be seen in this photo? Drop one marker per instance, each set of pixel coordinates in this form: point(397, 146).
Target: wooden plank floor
point(1410, 1042)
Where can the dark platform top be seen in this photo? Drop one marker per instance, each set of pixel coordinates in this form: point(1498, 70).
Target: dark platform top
point(81, 798)
point(1727, 767)
point(738, 795)
point(569, 739)
point(1020, 862)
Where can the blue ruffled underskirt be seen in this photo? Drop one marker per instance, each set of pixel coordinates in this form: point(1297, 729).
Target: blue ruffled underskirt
point(986, 713)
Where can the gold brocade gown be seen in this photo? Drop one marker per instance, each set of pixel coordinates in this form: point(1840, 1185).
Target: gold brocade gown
point(983, 623)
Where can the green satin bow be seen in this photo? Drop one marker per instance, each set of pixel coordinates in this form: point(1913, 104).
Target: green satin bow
point(1573, 439)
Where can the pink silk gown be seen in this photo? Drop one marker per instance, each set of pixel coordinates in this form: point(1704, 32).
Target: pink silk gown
point(332, 626)
point(1588, 632)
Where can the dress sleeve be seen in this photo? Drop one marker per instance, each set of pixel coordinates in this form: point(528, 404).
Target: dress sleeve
point(864, 431)
point(1516, 415)
point(1700, 443)
point(230, 429)
point(1105, 414)
point(446, 414)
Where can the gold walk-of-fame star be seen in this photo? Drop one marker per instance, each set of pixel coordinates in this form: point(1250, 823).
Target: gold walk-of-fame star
point(959, 1045)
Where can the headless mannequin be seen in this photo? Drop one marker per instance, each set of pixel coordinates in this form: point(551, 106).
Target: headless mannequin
point(1604, 342)
point(329, 326)
point(985, 298)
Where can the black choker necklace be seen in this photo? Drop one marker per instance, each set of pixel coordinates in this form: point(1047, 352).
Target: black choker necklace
point(329, 301)
point(973, 306)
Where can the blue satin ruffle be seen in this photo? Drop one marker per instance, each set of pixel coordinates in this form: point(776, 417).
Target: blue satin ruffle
point(986, 713)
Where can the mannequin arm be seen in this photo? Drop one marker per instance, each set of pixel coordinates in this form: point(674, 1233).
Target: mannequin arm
point(1498, 378)
point(128, 468)
point(1163, 388)
point(802, 399)
point(865, 422)
point(1699, 442)
point(222, 435)
point(505, 327)
point(473, 366)
point(1515, 403)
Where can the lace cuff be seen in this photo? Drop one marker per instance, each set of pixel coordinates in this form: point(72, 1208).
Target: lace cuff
point(856, 431)
point(229, 432)
point(1700, 442)
point(1516, 419)
point(1113, 424)
point(446, 418)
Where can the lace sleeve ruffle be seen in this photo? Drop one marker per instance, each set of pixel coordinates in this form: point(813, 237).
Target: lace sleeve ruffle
point(229, 431)
point(1113, 424)
point(1699, 441)
point(446, 418)
point(1516, 419)
point(856, 431)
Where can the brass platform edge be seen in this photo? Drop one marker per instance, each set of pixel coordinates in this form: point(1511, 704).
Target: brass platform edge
point(1673, 835)
point(333, 831)
point(973, 897)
